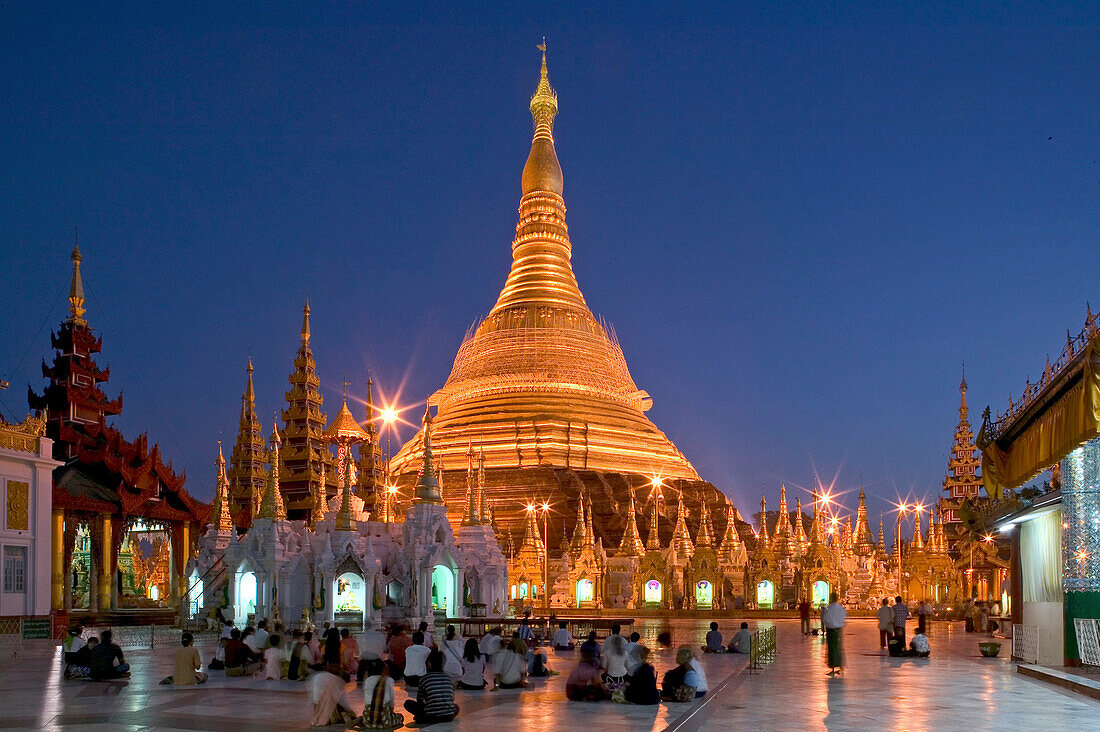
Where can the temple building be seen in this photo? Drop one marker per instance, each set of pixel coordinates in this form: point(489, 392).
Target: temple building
point(123, 525)
point(541, 391)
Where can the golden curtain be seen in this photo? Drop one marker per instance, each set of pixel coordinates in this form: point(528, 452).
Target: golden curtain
point(1065, 425)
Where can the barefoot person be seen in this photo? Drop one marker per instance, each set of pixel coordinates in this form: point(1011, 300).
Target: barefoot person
point(833, 618)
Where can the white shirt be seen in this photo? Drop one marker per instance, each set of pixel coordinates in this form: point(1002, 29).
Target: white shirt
point(273, 663)
point(614, 657)
point(369, 685)
point(510, 665)
point(563, 637)
point(834, 616)
point(261, 638)
point(452, 657)
point(608, 640)
point(490, 644)
point(698, 669)
point(632, 661)
point(227, 632)
point(74, 643)
point(920, 643)
point(253, 644)
point(473, 672)
point(415, 660)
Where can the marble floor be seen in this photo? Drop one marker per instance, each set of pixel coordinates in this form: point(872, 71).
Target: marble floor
point(957, 689)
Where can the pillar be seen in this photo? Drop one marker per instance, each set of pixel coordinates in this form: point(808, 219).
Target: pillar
point(1080, 540)
point(57, 569)
point(104, 563)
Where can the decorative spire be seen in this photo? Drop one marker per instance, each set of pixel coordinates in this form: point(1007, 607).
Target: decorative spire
point(963, 409)
point(764, 537)
point(731, 547)
point(881, 536)
point(576, 542)
point(918, 533)
point(799, 529)
point(543, 171)
point(317, 515)
point(783, 521)
point(653, 541)
point(589, 534)
point(223, 522)
point(472, 514)
point(76, 291)
point(247, 474)
point(681, 539)
point(862, 537)
point(544, 102)
point(817, 526)
point(704, 537)
point(305, 324)
point(427, 487)
point(631, 544)
point(343, 517)
point(483, 497)
point(271, 507)
point(532, 539)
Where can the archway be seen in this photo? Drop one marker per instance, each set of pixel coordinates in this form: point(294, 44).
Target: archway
point(349, 593)
point(443, 588)
point(653, 593)
point(394, 591)
point(523, 590)
point(514, 594)
point(586, 591)
point(765, 594)
point(194, 595)
point(704, 595)
point(154, 592)
point(246, 596)
point(820, 592)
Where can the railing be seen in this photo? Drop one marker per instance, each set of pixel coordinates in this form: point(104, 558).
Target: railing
point(762, 648)
point(16, 631)
point(1088, 641)
point(189, 608)
point(1025, 643)
point(148, 636)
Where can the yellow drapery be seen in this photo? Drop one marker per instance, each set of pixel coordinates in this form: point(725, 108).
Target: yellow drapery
point(1065, 425)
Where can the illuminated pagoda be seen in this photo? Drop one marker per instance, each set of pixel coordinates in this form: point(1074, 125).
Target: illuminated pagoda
point(109, 491)
point(306, 461)
point(542, 388)
point(371, 465)
point(247, 475)
point(963, 481)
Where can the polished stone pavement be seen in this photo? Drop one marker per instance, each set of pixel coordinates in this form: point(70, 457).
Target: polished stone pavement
point(957, 689)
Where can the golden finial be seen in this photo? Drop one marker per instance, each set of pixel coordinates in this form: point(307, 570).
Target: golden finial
point(544, 103)
point(305, 323)
point(76, 289)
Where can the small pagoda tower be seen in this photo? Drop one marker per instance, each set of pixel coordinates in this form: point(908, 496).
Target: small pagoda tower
point(963, 480)
point(304, 453)
point(371, 466)
point(247, 475)
point(345, 433)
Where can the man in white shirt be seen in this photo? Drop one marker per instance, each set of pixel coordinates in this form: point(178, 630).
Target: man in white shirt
point(490, 644)
point(563, 639)
point(919, 645)
point(885, 622)
point(632, 659)
point(615, 628)
point(227, 630)
point(416, 660)
point(742, 640)
point(371, 645)
point(833, 618)
point(261, 635)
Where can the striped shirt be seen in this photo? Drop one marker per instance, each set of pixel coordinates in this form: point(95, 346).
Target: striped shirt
point(437, 693)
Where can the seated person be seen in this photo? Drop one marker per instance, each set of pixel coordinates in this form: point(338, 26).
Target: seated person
point(536, 662)
point(563, 639)
point(641, 684)
point(274, 657)
point(396, 646)
point(326, 693)
point(896, 646)
point(585, 682)
point(696, 677)
point(349, 650)
point(371, 645)
point(918, 646)
point(741, 641)
point(632, 659)
point(187, 664)
point(83, 672)
point(217, 663)
point(378, 696)
point(239, 658)
point(510, 666)
point(416, 657)
point(714, 640)
point(473, 667)
point(102, 662)
point(675, 684)
point(78, 655)
point(435, 694)
point(592, 645)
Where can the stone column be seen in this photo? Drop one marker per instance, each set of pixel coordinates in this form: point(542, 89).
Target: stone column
point(57, 569)
point(104, 563)
point(1080, 539)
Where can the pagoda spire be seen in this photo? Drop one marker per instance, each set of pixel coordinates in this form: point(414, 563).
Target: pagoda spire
point(482, 494)
point(223, 522)
point(783, 521)
point(731, 545)
point(918, 533)
point(532, 539)
point(631, 544)
point(427, 487)
point(704, 537)
point(764, 537)
point(576, 542)
point(370, 457)
point(653, 541)
point(305, 323)
point(881, 536)
point(271, 506)
point(589, 534)
point(343, 516)
point(863, 538)
point(76, 290)
point(247, 474)
point(681, 539)
point(799, 529)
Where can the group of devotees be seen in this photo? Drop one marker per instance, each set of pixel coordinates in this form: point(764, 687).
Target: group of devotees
point(891, 625)
point(618, 669)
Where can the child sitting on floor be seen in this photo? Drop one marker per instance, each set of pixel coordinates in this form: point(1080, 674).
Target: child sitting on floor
point(273, 659)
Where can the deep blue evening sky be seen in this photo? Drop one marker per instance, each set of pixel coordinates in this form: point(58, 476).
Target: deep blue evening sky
point(799, 222)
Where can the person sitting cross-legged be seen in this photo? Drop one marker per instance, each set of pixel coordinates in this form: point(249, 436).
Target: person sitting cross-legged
point(103, 657)
point(679, 683)
point(641, 685)
point(741, 641)
point(585, 682)
point(473, 667)
point(378, 697)
point(435, 694)
point(274, 659)
point(416, 657)
point(240, 660)
point(187, 664)
point(714, 640)
point(918, 645)
point(563, 639)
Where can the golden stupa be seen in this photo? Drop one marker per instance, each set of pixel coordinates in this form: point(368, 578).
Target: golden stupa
point(539, 386)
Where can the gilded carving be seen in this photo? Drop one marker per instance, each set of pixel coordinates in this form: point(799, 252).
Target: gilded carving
point(19, 505)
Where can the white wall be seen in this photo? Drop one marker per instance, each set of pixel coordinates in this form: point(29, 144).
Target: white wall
point(1048, 618)
point(37, 470)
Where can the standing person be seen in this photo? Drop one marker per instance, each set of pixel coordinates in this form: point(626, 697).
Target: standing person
point(563, 639)
point(714, 640)
point(924, 613)
point(833, 618)
point(804, 615)
point(473, 667)
point(186, 664)
point(885, 622)
point(901, 614)
point(103, 657)
point(435, 695)
point(452, 647)
point(399, 643)
point(416, 660)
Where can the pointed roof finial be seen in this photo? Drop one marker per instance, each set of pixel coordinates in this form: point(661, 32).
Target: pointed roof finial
point(544, 103)
point(427, 486)
point(305, 323)
point(76, 289)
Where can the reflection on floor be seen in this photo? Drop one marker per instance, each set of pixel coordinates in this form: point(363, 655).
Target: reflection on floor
point(955, 689)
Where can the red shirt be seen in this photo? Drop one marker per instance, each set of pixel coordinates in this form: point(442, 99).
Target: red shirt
point(398, 644)
point(804, 610)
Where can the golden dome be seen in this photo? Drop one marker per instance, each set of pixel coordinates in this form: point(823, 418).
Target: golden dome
point(344, 428)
